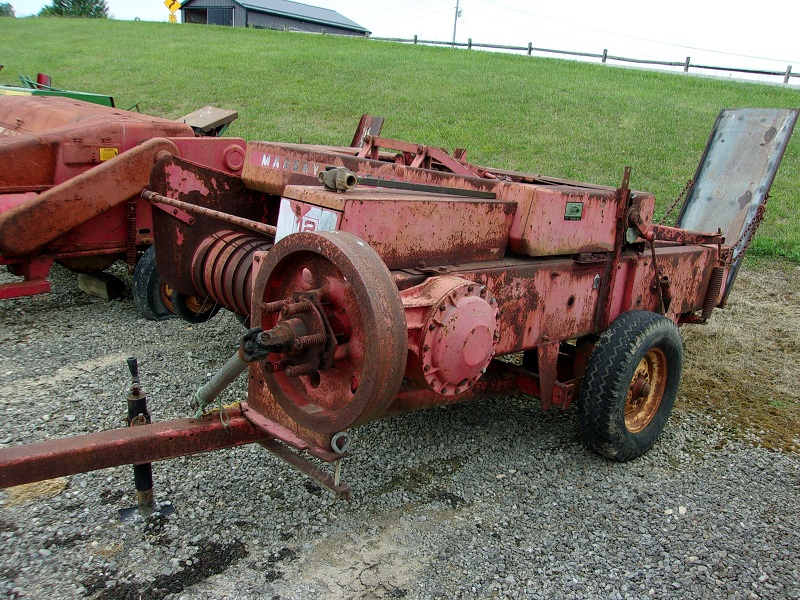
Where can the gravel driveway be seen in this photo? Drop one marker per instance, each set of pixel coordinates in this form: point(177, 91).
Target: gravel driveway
point(492, 499)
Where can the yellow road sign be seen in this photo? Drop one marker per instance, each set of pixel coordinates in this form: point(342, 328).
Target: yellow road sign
point(172, 5)
point(172, 19)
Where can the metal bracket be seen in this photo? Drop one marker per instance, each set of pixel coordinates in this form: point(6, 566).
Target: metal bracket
point(179, 214)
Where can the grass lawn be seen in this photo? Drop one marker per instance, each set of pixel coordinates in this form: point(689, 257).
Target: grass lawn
point(555, 117)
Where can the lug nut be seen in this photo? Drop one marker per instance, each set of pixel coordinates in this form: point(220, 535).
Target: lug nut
point(276, 367)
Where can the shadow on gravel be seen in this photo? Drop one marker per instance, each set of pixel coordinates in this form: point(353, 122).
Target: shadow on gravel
point(211, 559)
point(413, 478)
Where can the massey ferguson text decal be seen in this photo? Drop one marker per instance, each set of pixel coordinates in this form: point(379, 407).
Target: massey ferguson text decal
point(275, 161)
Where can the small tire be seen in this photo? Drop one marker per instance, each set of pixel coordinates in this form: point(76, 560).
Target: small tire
point(630, 385)
point(193, 309)
point(150, 293)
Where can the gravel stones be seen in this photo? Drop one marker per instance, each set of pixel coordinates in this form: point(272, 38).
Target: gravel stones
point(492, 499)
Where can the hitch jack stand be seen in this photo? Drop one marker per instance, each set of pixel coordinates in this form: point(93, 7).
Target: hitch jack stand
point(142, 473)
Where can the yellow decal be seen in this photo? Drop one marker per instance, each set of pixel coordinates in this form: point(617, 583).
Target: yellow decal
point(172, 5)
point(14, 92)
point(108, 153)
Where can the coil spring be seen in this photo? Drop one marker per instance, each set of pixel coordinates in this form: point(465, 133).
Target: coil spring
point(714, 286)
point(222, 268)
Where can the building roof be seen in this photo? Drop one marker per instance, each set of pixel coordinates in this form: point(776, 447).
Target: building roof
point(297, 10)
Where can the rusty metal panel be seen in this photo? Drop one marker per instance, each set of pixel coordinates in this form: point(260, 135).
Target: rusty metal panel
point(178, 242)
point(735, 174)
point(47, 140)
point(33, 224)
point(541, 301)
point(409, 230)
point(26, 164)
point(688, 269)
point(270, 167)
point(44, 115)
point(562, 220)
point(537, 299)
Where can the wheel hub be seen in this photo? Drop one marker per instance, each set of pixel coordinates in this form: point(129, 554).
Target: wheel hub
point(347, 368)
point(646, 390)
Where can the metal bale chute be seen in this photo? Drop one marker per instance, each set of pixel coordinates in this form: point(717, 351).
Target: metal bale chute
point(387, 277)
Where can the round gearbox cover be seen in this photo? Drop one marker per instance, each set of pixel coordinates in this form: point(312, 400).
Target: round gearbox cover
point(459, 338)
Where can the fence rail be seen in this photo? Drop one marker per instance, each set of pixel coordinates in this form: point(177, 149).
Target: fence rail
point(604, 57)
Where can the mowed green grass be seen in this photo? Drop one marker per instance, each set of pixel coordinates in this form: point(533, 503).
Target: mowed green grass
point(555, 117)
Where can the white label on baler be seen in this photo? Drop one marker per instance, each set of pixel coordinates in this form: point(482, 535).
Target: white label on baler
point(295, 217)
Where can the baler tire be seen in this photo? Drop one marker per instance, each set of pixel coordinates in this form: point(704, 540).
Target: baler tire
point(618, 417)
point(150, 294)
point(193, 309)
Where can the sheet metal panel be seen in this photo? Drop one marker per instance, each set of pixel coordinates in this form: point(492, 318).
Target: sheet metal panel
point(736, 172)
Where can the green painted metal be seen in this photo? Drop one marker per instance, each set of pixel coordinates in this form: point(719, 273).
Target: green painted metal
point(30, 87)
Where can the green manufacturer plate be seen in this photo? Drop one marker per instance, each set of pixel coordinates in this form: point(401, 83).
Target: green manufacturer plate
point(574, 211)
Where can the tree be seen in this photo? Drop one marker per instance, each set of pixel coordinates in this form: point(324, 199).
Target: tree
point(88, 9)
point(6, 10)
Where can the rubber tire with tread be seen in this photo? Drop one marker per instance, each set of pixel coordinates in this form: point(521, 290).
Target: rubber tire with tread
point(146, 288)
point(601, 404)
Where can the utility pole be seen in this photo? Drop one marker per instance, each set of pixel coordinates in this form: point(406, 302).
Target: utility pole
point(455, 23)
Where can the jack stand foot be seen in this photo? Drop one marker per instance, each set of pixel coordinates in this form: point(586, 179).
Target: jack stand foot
point(146, 507)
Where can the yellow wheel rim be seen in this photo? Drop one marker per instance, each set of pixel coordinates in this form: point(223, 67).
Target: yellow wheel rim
point(197, 305)
point(646, 390)
point(166, 296)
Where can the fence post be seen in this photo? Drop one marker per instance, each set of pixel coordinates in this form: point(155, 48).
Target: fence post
point(469, 43)
point(788, 73)
point(686, 64)
point(605, 54)
point(415, 38)
point(530, 47)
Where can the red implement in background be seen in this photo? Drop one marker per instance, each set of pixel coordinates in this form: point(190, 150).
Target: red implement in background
point(70, 176)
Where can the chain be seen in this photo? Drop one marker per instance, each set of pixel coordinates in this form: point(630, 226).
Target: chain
point(677, 201)
point(748, 232)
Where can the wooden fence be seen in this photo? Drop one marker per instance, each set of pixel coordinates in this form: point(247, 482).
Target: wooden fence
point(604, 57)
